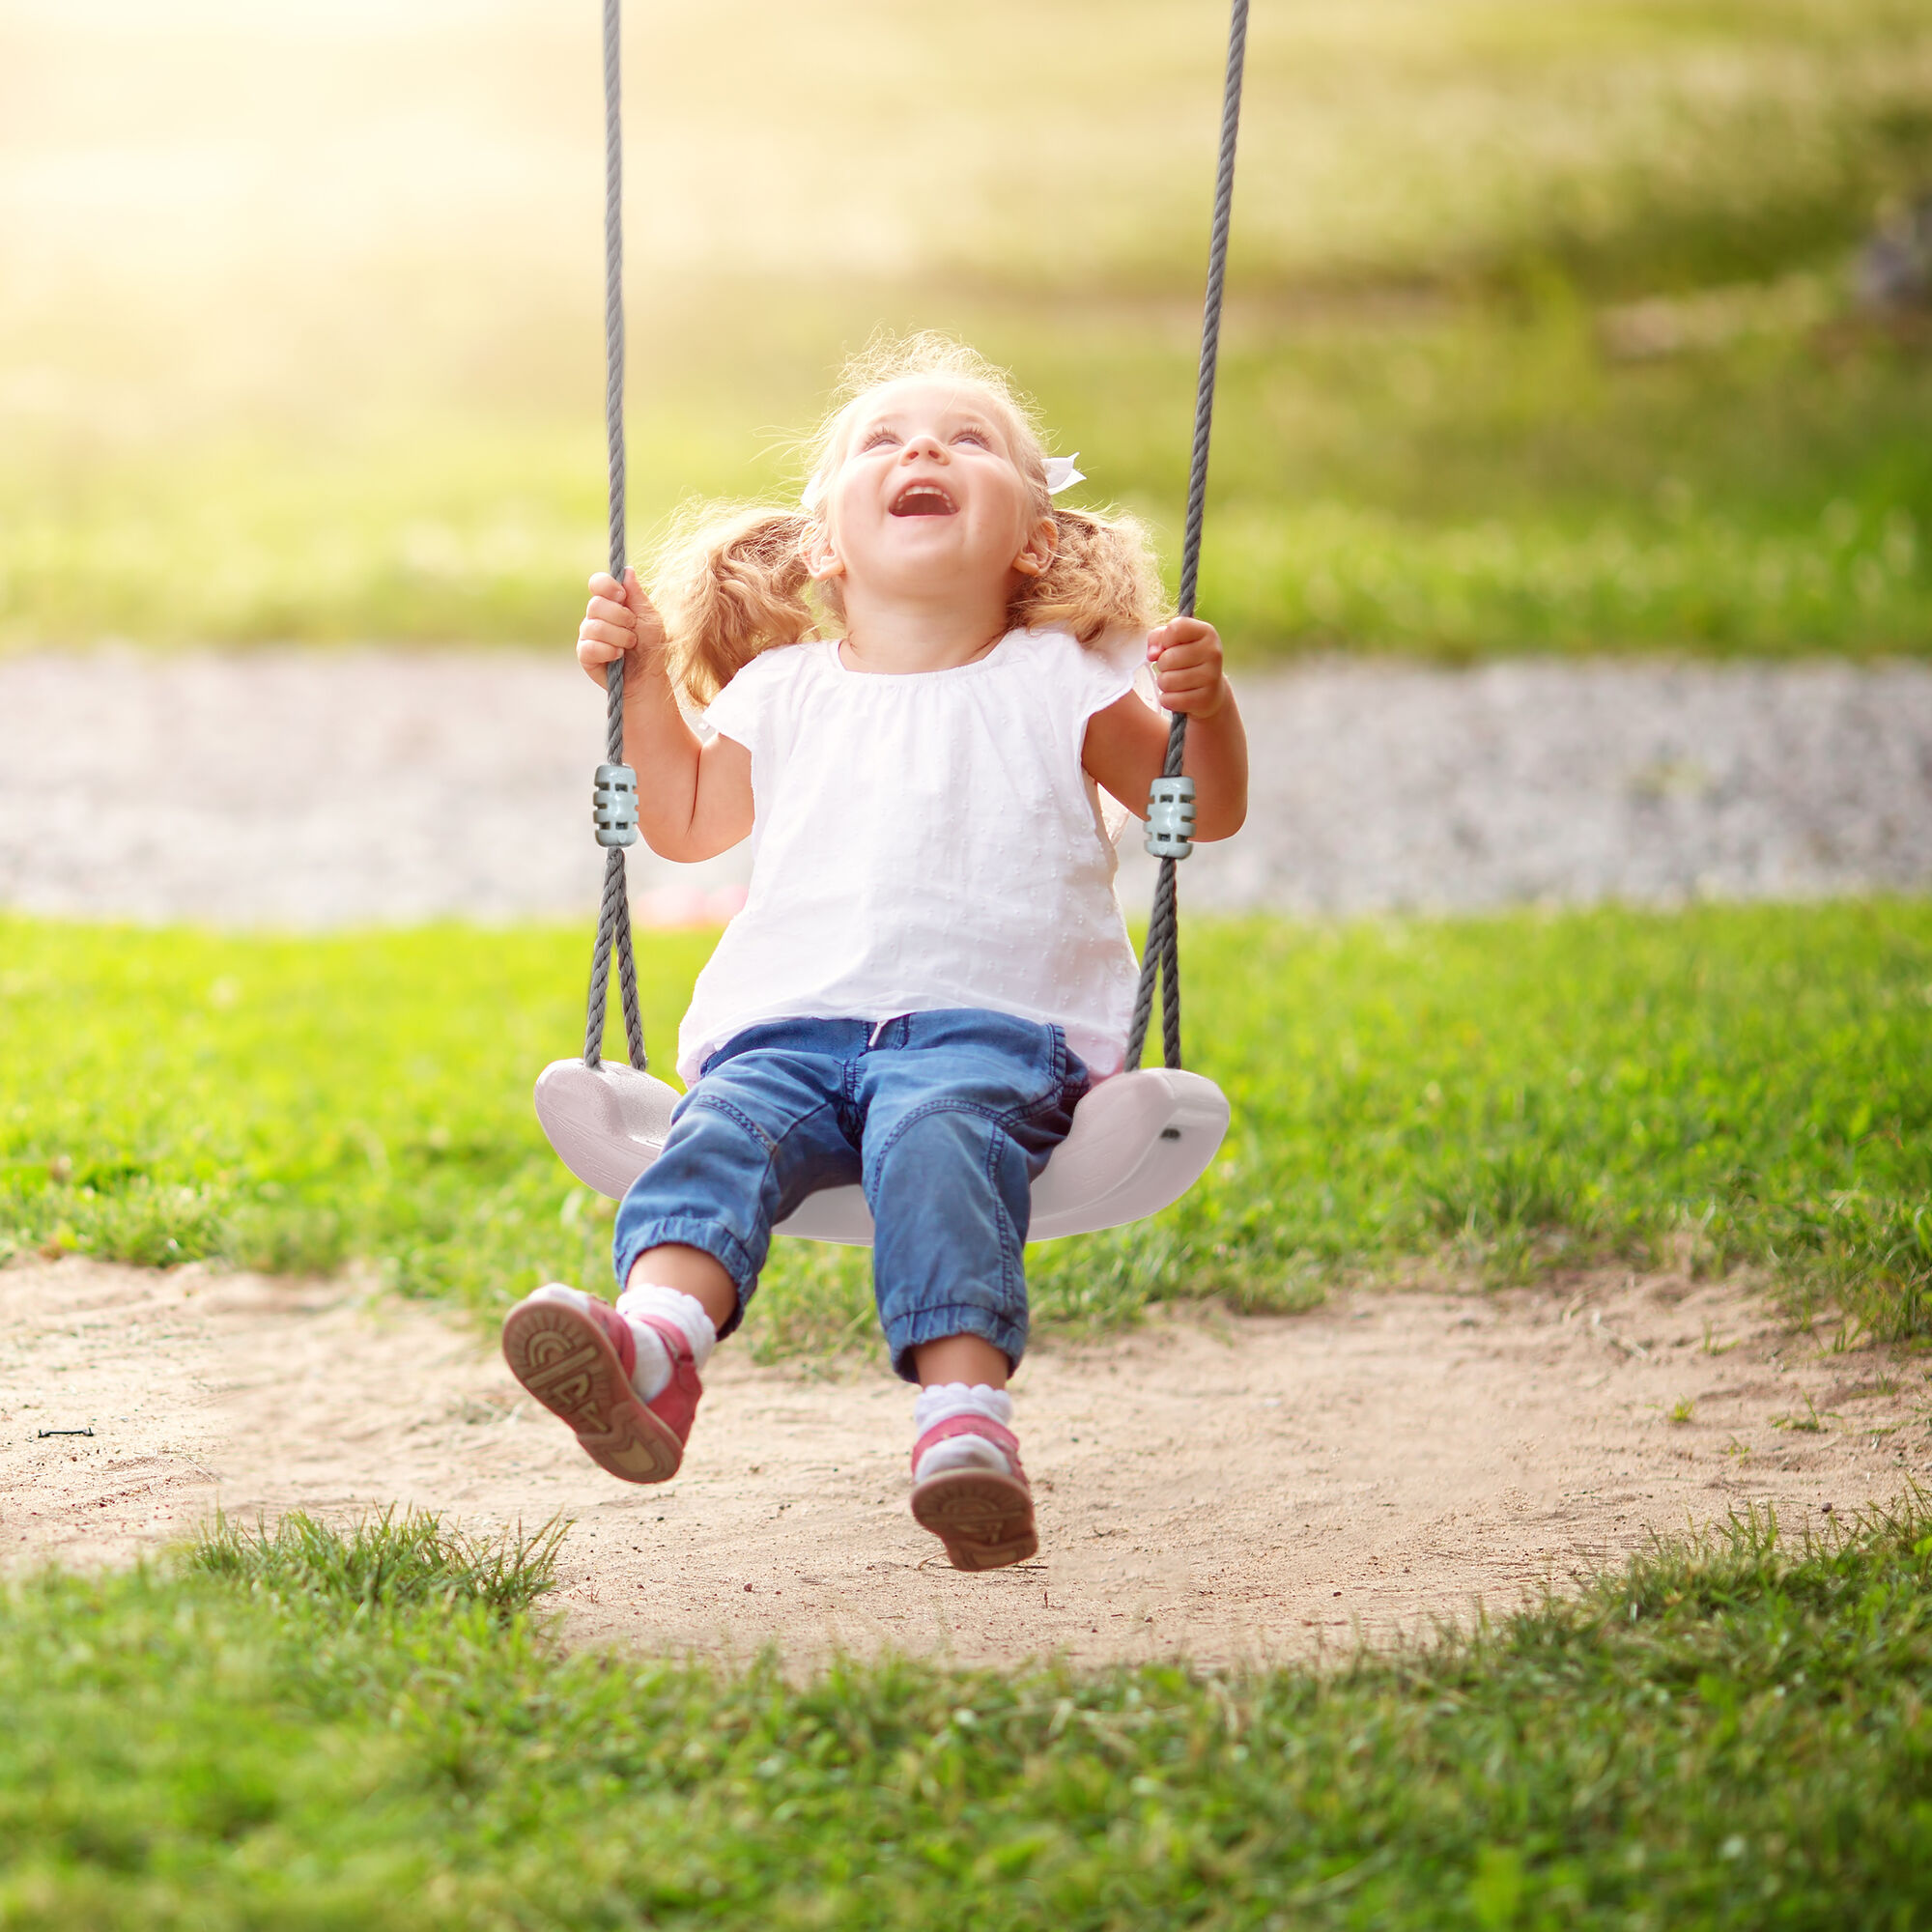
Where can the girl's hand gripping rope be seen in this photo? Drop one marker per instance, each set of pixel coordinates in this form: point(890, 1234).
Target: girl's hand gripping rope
point(1186, 659)
point(693, 800)
point(619, 618)
point(1125, 747)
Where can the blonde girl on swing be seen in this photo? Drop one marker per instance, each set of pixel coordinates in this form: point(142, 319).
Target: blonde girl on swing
point(918, 692)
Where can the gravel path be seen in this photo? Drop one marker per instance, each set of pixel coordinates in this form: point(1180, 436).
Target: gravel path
point(311, 789)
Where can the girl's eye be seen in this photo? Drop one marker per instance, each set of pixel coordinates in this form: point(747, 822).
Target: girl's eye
point(878, 438)
point(975, 436)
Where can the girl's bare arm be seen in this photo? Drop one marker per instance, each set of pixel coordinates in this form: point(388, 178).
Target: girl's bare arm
point(1127, 744)
point(694, 799)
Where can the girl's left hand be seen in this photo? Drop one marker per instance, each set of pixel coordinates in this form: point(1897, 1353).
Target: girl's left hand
point(1186, 659)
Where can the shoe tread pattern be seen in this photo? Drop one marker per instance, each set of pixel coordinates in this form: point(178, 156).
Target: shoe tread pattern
point(566, 1361)
point(984, 1520)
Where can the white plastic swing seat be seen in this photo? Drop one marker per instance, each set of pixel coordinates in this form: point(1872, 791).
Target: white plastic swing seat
point(1139, 1142)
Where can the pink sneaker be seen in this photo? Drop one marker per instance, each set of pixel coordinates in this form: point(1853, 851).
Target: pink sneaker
point(576, 1355)
point(983, 1514)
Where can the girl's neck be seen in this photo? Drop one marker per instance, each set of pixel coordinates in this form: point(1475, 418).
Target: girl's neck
point(894, 637)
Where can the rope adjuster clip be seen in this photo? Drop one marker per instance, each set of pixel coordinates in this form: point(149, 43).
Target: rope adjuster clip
point(1169, 819)
point(613, 805)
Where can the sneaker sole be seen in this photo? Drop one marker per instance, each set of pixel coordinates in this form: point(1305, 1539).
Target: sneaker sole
point(985, 1521)
point(564, 1360)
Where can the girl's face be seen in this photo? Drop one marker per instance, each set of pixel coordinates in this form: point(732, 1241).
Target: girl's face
point(930, 497)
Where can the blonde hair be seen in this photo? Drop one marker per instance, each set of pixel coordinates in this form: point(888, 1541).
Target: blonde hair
point(732, 582)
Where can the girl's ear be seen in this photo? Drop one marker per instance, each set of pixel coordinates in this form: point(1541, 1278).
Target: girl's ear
point(822, 562)
point(1042, 542)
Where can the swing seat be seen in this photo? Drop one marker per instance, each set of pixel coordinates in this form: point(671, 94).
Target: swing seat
point(1139, 1142)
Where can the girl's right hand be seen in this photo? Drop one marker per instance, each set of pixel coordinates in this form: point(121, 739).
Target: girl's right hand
point(618, 618)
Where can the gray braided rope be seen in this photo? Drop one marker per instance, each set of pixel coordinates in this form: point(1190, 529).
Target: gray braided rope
point(1162, 952)
point(613, 914)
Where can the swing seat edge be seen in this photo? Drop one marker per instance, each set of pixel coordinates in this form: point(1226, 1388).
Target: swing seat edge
point(1138, 1143)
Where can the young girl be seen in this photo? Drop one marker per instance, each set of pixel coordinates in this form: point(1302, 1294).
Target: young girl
point(930, 968)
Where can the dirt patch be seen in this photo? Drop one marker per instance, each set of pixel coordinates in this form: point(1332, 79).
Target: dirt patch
point(1229, 1489)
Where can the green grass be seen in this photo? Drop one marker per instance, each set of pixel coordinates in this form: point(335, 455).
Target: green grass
point(1448, 483)
point(1733, 1734)
point(1513, 1095)
point(1437, 435)
point(384, 1564)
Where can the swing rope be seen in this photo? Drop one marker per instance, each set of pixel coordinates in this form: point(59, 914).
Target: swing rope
point(613, 915)
point(1161, 955)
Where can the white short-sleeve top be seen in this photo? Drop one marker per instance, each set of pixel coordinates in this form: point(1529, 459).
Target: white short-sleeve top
point(921, 841)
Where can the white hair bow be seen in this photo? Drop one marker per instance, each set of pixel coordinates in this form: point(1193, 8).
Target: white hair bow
point(1061, 475)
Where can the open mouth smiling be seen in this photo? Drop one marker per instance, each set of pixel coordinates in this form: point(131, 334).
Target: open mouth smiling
point(923, 499)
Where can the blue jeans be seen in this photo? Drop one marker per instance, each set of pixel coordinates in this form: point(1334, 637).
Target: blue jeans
point(944, 1118)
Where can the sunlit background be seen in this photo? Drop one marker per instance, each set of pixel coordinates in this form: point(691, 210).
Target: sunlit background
point(1545, 329)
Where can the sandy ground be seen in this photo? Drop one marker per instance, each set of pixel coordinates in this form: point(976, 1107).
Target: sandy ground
point(1231, 1491)
point(321, 788)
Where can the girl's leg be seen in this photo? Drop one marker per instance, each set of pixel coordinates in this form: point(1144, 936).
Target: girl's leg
point(688, 1271)
point(750, 1140)
point(962, 1110)
point(960, 1358)
point(671, 1292)
point(764, 1128)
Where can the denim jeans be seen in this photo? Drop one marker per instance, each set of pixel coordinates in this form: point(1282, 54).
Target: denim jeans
point(946, 1118)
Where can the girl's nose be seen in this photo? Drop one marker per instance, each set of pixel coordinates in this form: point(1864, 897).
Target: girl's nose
point(923, 445)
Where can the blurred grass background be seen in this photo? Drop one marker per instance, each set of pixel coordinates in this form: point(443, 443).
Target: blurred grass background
point(1541, 333)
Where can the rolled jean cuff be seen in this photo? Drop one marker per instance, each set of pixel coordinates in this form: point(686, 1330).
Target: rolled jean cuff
point(938, 1325)
point(692, 1231)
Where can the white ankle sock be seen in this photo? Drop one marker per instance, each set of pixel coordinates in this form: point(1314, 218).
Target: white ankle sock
point(943, 1401)
point(651, 1376)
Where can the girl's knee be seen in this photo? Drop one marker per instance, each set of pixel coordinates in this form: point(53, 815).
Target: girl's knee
point(943, 1138)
